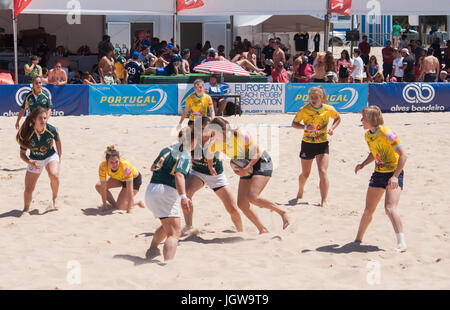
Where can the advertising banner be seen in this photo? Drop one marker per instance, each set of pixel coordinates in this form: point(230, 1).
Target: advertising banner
point(343, 97)
point(133, 99)
point(66, 100)
point(410, 97)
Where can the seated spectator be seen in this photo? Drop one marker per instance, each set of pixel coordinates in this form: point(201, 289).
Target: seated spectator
point(66, 63)
point(331, 77)
point(87, 79)
point(213, 88)
point(185, 67)
point(280, 74)
point(77, 78)
point(304, 71)
point(171, 68)
point(379, 77)
point(443, 77)
point(195, 55)
point(95, 75)
point(57, 76)
point(32, 69)
point(344, 66)
point(83, 50)
point(134, 69)
point(44, 75)
point(221, 51)
point(372, 69)
point(160, 61)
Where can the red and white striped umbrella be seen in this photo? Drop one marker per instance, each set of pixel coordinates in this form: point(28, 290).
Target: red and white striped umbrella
point(221, 66)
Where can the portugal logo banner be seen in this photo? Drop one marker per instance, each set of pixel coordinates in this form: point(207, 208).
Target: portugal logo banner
point(342, 7)
point(19, 6)
point(188, 4)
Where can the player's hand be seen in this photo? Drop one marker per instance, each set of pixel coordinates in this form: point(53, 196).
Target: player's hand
point(330, 131)
point(393, 182)
point(17, 126)
point(186, 204)
point(35, 165)
point(358, 167)
point(213, 171)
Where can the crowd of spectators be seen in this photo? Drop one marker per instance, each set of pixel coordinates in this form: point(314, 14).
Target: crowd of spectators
point(409, 62)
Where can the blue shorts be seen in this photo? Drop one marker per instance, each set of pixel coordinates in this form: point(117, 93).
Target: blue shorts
point(381, 179)
point(161, 71)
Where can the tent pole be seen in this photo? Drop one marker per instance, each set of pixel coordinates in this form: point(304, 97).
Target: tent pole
point(175, 23)
point(16, 55)
point(327, 26)
point(231, 33)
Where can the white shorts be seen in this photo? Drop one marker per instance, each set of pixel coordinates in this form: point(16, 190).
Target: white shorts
point(43, 163)
point(162, 200)
point(213, 181)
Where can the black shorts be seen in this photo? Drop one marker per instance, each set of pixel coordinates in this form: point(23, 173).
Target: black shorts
point(262, 167)
point(137, 182)
point(429, 77)
point(381, 179)
point(311, 150)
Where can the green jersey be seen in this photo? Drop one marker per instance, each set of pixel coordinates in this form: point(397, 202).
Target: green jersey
point(396, 29)
point(34, 72)
point(42, 144)
point(168, 162)
point(201, 164)
point(32, 101)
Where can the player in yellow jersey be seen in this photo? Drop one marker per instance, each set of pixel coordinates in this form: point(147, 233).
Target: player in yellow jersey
point(315, 117)
point(255, 173)
point(198, 104)
point(121, 174)
point(390, 158)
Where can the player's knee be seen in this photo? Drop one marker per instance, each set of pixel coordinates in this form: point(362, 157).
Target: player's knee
point(305, 174)
point(322, 173)
point(253, 196)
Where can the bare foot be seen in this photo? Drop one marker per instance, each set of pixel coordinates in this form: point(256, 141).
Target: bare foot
point(25, 213)
point(152, 253)
point(324, 204)
point(300, 194)
point(52, 206)
point(141, 204)
point(286, 221)
point(263, 231)
point(185, 229)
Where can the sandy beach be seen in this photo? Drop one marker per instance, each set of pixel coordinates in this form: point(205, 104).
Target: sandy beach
point(41, 251)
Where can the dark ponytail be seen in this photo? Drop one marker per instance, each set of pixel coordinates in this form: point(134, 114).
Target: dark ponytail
point(111, 152)
point(25, 131)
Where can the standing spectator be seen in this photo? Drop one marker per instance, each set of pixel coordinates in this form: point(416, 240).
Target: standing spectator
point(364, 47)
point(104, 47)
point(205, 49)
point(447, 55)
point(330, 63)
point(57, 76)
point(185, 55)
point(344, 66)
point(267, 56)
point(373, 69)
point(107, 69)
point(32, 69)
point(396, 33)
point(278, 54)
point(304, 71)
point(418, 53)
point(419, 76)
point(313, 58)
point(119, 64)
point(320, 72)
point(147, 58)
point(43, 51)
point(279, 74)
point(436, 46)
point(357, 68)
point(403, 43)
point(134, 69)
point(195, 55)
point(388, 59)
point(397, 66)
point(430, 67)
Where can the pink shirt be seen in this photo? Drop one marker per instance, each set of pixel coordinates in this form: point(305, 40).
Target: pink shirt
point(305, 70)
point(280, 77)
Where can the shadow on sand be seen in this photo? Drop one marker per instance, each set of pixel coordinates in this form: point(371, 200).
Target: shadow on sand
point(350, 247)
point(17, 213)
point(194, 238)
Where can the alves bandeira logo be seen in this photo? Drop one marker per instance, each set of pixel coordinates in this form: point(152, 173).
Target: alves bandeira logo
point(418, 93)
point(23, 91)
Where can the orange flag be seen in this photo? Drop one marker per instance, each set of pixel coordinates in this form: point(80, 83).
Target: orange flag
point(342, 7)
point(19, 6)
point(188, 4)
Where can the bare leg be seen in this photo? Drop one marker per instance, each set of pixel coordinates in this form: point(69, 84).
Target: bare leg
point(244, 204)
point(53, 174)
point(390, 204)
point(258, 183)
point(111, 183)
point(230, 205)
point(373, 197)
point(193, 184)
point(30, 184)
point(306, 171)
point(122, 200)
point(221, 107)
point(172, 227)
point(322, 165)
point(248, 65)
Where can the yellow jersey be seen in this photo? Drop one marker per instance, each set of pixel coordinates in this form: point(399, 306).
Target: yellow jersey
point(199, 105)
point(239, 144)
point(120, 70)
point(317, 117)
point(382, 145)
point(125, 173)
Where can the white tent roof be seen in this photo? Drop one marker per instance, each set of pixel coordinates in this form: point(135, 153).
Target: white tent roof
point(233, 7)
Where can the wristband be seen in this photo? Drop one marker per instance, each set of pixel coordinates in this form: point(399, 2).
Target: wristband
point(182, 196)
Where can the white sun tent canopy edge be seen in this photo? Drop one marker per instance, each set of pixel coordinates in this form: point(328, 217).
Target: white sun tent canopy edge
point(234, 7)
